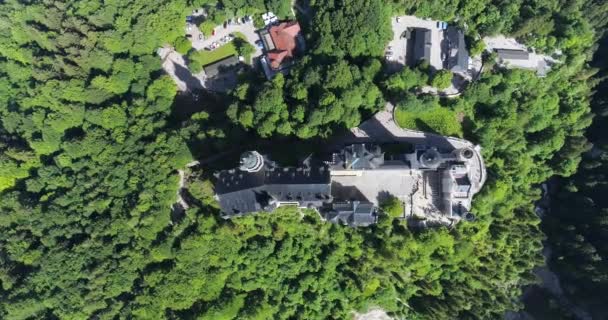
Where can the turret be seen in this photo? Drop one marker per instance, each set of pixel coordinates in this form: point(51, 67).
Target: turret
point(251, 161)
point(430, 158)
point(464, 154)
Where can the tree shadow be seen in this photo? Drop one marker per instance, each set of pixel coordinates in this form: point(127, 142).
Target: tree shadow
point(346, 193)
point(184, 75)
point(383, 196)
point(375, 131)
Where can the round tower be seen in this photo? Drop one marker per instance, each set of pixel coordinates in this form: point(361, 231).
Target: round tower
point(464, 154)
point(251, 161)
point(430, 158)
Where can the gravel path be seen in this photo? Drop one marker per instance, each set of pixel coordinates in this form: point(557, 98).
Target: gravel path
point(174, 64)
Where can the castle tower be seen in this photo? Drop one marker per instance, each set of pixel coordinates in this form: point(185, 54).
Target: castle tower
point(464, 154)
point(430, 159)
point(251, 161)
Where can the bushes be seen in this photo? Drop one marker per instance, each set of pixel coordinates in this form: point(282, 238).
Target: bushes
point(392, 206)
point(183, 45)
point(424, 113)
point(206, 27)
point(442, 79)
point(244, 48)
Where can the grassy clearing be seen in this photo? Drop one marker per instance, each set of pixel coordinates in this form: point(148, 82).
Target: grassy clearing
point(201, 58)
point(438, 120)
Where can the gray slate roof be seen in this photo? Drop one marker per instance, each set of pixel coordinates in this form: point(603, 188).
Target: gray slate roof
point(241, 192)
point(422, 45)
point(458, 56)
point(510, 54)
point(358, 157)
point(213, 69)
point(355, 213)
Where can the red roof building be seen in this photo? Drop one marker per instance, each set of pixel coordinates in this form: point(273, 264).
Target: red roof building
point(284, 37)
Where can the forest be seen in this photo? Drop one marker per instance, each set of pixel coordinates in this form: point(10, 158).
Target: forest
point(90, 143)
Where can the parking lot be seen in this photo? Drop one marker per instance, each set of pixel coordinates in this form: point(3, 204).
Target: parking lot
point(200, 42)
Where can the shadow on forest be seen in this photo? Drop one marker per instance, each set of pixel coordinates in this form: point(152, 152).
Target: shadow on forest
point(183, 74)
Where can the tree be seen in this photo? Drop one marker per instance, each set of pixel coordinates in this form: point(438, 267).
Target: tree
point(392, 206)
point(183, 45)
point(442, 79)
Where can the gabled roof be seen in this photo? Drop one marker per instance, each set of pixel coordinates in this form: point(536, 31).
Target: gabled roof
point(284, 36)
point(422, 45)
point(358, 157)
point(276, 56)
point(241, 192)
point(355, 213)
point(213, 69)
point(458, 57)
point(512, 54)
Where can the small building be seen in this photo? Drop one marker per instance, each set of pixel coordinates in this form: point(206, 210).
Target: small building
point(352, 213)
point(218, 67)
point(457, 56)
point(221, 75)
point(421, 44)
point(524, 59)
point(512, 54)
point(282, 43)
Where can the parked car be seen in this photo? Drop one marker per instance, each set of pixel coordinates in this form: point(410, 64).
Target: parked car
point(200, 36)
point(225, 25)
point(260, 44)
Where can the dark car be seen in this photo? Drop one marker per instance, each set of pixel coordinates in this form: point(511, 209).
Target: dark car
point(260, 44)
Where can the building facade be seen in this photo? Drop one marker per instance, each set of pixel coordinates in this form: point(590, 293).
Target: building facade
point(349, 187)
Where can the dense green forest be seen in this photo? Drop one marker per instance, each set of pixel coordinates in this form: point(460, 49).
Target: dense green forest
point(576, 223)
point(89, 147)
